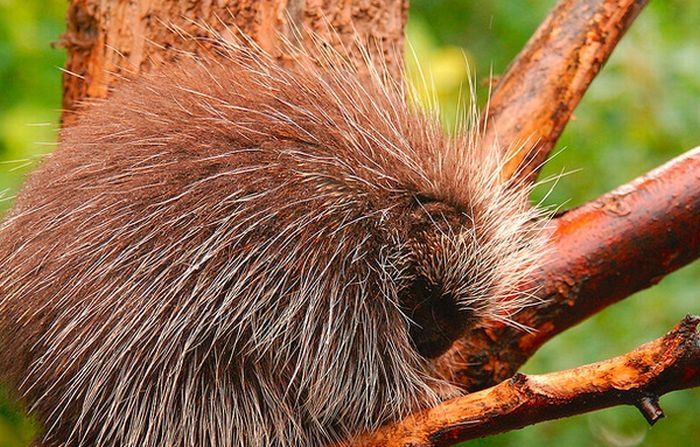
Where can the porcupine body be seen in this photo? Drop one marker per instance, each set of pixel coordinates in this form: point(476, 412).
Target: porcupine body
point(232, 253)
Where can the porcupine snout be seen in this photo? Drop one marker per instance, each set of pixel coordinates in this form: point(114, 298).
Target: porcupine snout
point(436, 313)
point(436, 318)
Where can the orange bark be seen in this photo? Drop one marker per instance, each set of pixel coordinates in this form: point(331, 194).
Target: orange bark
point(535, 98)
point(110, 40)
point(669, 363)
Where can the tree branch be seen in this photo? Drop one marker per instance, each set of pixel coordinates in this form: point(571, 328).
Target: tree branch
point(669, 363)
point(533, 101)
point(602, 252)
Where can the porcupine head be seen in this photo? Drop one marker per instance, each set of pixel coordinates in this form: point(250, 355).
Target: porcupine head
point(231, 252)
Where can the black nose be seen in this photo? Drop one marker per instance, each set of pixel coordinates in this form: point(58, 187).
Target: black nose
point(436, 319)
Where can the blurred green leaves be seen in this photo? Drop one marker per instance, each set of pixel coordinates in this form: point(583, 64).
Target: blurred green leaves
point(16, 430)
point(30, 84)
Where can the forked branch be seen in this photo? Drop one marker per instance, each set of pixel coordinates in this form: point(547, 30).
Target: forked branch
point(600, 255)
point(669, 363)
point(602, 252)
point(535, 98)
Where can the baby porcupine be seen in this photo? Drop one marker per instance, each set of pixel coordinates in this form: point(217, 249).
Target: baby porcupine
point(232, 253)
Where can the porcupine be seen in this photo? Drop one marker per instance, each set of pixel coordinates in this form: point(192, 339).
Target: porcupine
point(229, 252)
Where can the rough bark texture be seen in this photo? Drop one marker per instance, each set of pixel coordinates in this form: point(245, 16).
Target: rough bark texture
point(601, 252)
point(669, 363)
point(110, 39)
point(535, 98)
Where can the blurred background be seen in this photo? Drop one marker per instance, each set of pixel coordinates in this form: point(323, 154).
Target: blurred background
point(642, 110)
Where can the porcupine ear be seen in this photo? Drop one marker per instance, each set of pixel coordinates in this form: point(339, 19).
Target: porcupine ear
point(435, 318)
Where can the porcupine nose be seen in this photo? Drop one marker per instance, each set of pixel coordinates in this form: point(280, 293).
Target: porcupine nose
point(436, 319)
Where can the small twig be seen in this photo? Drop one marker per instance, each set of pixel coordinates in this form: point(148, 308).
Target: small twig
point(650, 409)
point(535, 98)
point(669, 363)
point(602, 252)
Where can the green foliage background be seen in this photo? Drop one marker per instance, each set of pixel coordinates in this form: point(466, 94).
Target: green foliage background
point(641, 111)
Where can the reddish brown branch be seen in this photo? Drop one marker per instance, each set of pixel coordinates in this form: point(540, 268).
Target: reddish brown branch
point(534, 99)
point(669, 363)
point(602, 252)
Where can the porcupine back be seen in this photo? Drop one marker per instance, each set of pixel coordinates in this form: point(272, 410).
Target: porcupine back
point(232, 253)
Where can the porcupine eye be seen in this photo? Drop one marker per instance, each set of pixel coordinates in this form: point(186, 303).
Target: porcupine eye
point(436, 319)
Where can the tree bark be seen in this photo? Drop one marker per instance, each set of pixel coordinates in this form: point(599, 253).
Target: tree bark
point(543, 85)
point(108, 40)
point(638, 378)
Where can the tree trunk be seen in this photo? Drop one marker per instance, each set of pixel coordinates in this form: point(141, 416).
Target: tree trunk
point(108, 40)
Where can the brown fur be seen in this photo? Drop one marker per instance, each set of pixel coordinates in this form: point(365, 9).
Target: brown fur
point(229, 253)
